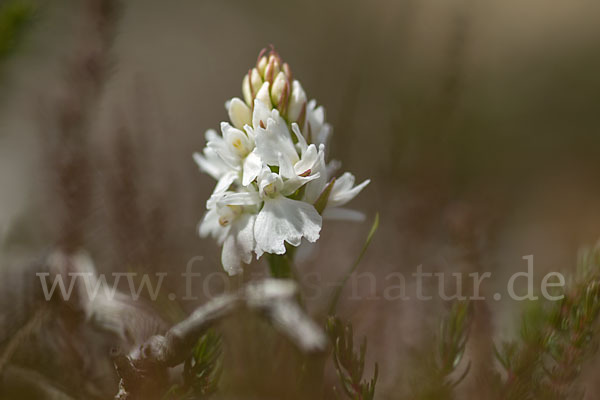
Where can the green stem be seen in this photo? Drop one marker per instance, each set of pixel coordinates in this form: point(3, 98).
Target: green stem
point(338, 292)
point(281, 266)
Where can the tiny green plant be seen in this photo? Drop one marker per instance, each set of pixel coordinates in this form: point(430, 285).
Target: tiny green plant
point(555, 340)
point(349, 364)
point(202, 370)
point(445, 359)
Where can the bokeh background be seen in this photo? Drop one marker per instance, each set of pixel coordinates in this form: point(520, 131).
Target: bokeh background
point(478, 123)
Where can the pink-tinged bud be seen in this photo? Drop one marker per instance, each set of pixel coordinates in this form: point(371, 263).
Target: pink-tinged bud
point(297, 103)
point(255, 81)
point(273, 68)
point(269, 72)
point(239, 113)
point(264, 95)
point(273, 56)
point(288, 71)
point(285, 98)
point(261, 65)
point(250, 86)
point(277, 89)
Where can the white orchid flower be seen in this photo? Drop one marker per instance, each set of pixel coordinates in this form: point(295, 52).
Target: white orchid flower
point(211, 163)
point(274, 138)
point(342, 192)
point(316, 129)
point(283, 219)
point(232, 225)
point(274, 185)
point(227, 157)
point(297, 102)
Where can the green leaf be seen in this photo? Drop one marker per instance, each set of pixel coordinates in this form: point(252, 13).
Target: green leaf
point(321, 202)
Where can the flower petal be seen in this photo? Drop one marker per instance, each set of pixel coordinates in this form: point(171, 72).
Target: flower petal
point(225, 182)
point(297, 101)
point(210, 226)
point(211, 134)
point(219, 146)
point(233, 199)
point(260, 114)
point(210, 163)
point(286, 169)
point(239, 113)
point(308, 160)
point(275, 139)
point(343, 214)
point(285, 220)
point(238, 245)
point(320, 131)
point(333, 166)
point(264, 95)
point(314, 189)
point(301, 140)
point(238, 143)
point(295, 183)
point(343, 191)
point(252, 167)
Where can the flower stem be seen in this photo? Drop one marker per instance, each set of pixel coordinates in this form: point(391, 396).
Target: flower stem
point(281, 265)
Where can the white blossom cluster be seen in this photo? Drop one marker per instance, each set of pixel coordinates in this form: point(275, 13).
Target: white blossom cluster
point(274, 185)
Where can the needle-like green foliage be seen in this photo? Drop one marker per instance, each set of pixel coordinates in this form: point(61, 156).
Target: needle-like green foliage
point(439, 380)
point(555, 340)
point(202, 370)
point(349, 364)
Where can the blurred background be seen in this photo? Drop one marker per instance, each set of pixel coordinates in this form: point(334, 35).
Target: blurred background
point(478, 123)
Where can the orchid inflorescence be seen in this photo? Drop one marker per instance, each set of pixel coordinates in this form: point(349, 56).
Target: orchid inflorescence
point(274, 185)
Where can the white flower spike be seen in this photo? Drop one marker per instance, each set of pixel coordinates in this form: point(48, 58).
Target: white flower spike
point(274, 186)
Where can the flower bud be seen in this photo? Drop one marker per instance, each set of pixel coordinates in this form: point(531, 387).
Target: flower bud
point(239, 113)
point(255, 81)
point(273, 68)
point(261, 65)
point(288, 71)
point(264, 96)
point(297, 102)
point(247, 92)
point(278, 90)
point(250, 85)
point(285, 98)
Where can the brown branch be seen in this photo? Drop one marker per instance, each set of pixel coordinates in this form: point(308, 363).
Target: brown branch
point(144, 371)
